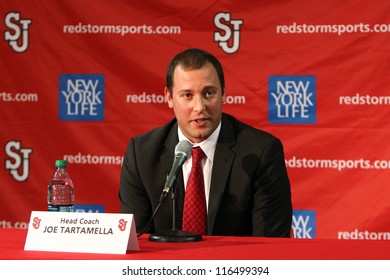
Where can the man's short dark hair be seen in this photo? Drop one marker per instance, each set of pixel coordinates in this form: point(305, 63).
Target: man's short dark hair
point(192, 59)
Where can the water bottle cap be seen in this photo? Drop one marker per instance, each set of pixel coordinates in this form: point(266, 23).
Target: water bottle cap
point(60, 163)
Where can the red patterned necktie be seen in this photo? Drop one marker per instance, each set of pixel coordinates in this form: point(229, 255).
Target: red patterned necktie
point(195, 213)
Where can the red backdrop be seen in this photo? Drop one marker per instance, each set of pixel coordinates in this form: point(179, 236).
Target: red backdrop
point(78, 79)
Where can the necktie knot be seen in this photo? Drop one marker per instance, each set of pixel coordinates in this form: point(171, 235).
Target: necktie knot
point(197, 156)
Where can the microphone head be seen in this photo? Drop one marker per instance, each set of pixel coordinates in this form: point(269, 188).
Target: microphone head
point(184, 147)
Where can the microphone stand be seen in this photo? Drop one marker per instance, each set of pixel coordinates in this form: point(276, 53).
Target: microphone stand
point(175, 234)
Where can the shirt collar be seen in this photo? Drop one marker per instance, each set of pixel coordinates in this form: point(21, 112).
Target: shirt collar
point(208, 145)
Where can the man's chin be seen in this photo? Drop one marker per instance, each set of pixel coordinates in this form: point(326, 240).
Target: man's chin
point(201, 136)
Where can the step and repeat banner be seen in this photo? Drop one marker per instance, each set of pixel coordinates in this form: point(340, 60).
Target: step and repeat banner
point(80, 78)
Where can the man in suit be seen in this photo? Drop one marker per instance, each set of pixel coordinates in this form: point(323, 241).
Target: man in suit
point(246, 183)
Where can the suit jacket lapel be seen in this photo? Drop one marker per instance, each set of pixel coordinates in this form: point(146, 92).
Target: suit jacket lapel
point(223, 160)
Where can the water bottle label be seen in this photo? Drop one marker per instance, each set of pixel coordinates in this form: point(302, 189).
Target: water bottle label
point(60, 208)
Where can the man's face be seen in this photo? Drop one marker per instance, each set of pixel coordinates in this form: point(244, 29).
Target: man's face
point(196, 101)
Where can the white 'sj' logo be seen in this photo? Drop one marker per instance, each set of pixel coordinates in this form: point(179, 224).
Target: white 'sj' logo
point(17, 36)
point(19, 163)
point(229, 32)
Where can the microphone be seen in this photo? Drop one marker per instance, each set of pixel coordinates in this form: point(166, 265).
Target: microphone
point(182, 151)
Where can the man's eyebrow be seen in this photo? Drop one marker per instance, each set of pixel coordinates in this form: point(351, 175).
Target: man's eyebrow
point(205, 88)
point(210, 87)
point(184, 90)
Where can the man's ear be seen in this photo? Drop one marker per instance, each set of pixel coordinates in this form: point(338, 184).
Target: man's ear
point(168, 97)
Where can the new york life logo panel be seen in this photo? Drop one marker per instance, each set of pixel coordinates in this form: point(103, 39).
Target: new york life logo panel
point(81, 97)
point(292, 99)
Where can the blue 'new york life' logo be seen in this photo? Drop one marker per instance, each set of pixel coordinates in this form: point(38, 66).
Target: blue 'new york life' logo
point(292, 99)
point(81, 97)
point(304, 223)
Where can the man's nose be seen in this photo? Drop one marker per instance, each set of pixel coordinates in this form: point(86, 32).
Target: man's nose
point(199, 104)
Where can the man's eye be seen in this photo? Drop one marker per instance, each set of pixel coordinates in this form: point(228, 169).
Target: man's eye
point(210, 92)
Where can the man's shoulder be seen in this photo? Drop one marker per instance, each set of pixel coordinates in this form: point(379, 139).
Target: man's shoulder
point(156, 136)
point(244, 138)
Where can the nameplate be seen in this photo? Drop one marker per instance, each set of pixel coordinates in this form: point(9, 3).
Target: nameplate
point(77, 232)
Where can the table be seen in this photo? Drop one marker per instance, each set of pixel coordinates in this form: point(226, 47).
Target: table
point(213, 248)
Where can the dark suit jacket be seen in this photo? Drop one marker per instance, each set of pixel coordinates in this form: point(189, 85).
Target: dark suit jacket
point(249, 192)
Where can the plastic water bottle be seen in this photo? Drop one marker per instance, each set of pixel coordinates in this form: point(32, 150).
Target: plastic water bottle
point(60, 196)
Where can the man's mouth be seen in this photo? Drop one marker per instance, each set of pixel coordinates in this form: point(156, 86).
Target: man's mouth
point(200, 120)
